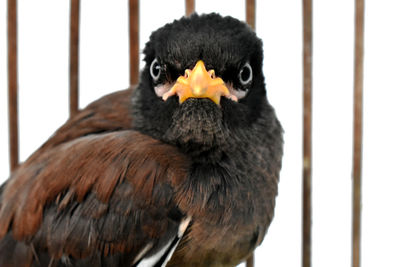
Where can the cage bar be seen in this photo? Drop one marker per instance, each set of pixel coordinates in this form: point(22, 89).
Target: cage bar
point(250, 261)
point(357, 130)
point(251, 13)
point(133, 42)
point(12, 84)
point(74, 58)
point(307, 131)
point(251, 20)
point(189, 7)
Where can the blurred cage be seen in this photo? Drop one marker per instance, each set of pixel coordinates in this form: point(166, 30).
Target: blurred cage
point(134, 73)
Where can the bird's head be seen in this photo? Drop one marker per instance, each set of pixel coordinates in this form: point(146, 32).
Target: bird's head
point(202, 84)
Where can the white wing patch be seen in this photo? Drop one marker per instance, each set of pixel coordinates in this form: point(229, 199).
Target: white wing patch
point(155, 258)
point(152, 260)
point(142, 252)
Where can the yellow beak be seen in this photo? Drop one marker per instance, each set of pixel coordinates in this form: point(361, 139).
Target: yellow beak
point(199, 83)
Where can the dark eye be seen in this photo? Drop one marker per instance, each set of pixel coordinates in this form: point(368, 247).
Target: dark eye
point(246, 74)
point(155, 70)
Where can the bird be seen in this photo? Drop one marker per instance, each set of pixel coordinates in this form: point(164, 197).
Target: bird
point(180, 170)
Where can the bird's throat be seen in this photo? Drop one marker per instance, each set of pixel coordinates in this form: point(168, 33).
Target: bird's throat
point(198, 129)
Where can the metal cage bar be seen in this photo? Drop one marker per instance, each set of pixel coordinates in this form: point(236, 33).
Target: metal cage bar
point(251, 13)
point(74, 58)
point(357, 129)
point(307, 131)
point(13, 84)
point(189, 7)
point(251, 20)
point(133, 42)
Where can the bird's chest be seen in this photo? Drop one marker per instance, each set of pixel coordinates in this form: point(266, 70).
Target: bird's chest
point(228, 222)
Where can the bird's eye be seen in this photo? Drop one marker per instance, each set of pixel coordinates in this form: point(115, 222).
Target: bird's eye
point(246, 74)
point(155, 70)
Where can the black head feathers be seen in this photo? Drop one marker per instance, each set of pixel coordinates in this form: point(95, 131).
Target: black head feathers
point(223, 43)
point(231, 50)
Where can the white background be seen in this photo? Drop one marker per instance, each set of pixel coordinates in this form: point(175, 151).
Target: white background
point(43, 106)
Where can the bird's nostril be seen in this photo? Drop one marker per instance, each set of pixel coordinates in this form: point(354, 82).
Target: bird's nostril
point(187, 73)
point(212, 74)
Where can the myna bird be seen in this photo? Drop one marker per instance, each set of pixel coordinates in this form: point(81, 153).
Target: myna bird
point(180, 171)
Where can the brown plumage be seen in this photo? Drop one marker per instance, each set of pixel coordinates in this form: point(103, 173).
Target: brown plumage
point(137, 180)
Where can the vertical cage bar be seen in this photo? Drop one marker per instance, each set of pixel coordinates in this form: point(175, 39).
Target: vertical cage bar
point(251, 20)
point(12, 83)
point(357, 130)
point(74, 58)
point(133, 42)
point(251, 13)
point(307, 130)
point(250, 261)
point(189, 7)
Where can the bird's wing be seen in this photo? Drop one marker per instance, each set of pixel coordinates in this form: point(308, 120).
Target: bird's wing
point(100, 199)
